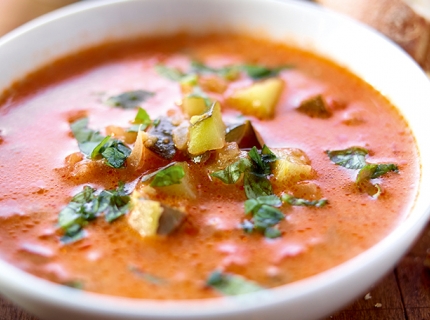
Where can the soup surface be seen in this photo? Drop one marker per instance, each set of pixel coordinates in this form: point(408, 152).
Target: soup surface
point(119, 175)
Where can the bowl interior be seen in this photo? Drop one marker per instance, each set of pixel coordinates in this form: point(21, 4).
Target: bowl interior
point(350, 44)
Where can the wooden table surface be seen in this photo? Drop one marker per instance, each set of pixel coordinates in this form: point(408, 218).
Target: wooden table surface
point(404, 294)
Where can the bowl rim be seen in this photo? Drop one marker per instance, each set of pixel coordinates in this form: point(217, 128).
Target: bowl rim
point(94, 303)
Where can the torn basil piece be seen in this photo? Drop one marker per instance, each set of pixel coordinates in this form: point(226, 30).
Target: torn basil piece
point(351, 158)
point(232, 173)
point(230, 284)
point(293, 201)
point(244, 135)
point(315, 107)
point(88, 139)
point(173, 74)
point(373, 171)
point(81, 209)
point(113, 151)
point(264, 215)
point(114, 203)
point(256, 185)
point(259, 72)
point(146, 276)
point(86, 206)
point(141, 121)
point(168, 176)
point(129, 99)
point(163, 146)
point(94, 145)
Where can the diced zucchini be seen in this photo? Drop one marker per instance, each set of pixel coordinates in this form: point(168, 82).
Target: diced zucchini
point(315, 107)
point(292, 166)
point(194, 105)
point(145, 215)
point(244, 135)
point(170, 220)
point(184, 189)
point(150, 218)
point(207, 131)
point(259, 99)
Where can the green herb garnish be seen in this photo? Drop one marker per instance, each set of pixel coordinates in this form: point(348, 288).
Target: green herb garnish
point(230, 284)
point(293, 201)
point(173, 74)
point(146, 276)
point(129, 99)
point(141, 121)
point(88, 139)
point(114, 203)
point(94, 145)
point(113, 151)
point(87, 206)
point(260, 72)
point(232, 173)
point(351, 158)
point(168, 176)
point(355, 158)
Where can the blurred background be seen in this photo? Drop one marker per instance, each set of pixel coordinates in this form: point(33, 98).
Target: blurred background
point(13, 13)
point(407, 22)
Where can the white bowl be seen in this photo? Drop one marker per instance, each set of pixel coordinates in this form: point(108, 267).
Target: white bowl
point(369, 55)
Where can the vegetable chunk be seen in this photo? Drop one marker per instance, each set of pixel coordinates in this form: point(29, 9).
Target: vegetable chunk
point(292, 166)
point(207, 131)
point(259, 99)
point(150, 218)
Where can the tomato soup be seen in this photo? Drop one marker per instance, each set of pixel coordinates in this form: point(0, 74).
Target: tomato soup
point(192, 167)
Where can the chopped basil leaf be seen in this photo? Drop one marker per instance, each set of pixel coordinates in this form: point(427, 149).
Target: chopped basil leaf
point(259, 72)
point(291, 200)
point(141, 121)
point(351, 158)
point(232, 173)
point(228, 72)
point(355, 158)
point(380, 169)
point(114, 203)
point(88, 139)
point(168, 176)
point(272, 233)
point(264, 213)
point(73, 234)
point(113, 151)
point(146, 276)
point(76, 215)
point(94, 145)
point(230, 284)
point(262, 161)
point(254, 204)
point(169, 73)
point(129, 99)
point(86, 206)
point(256, 185)
point(373, 171)
point(266, 216)
point(151, 175)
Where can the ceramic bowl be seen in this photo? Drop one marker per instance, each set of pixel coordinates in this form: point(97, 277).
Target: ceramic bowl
point(366, 53)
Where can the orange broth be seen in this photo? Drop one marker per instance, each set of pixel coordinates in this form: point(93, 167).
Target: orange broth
point(113, 259)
